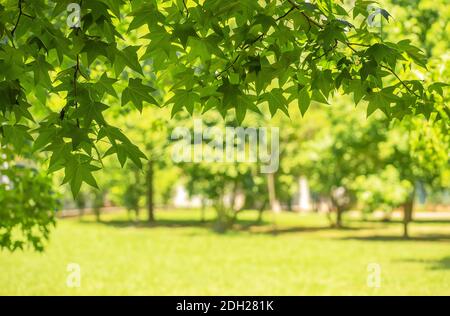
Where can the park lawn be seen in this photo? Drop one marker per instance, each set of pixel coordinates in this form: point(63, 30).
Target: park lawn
point(180, 256)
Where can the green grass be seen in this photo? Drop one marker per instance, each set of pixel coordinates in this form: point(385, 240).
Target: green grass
point(180, 256)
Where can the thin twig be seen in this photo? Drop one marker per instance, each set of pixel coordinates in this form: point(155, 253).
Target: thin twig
point(310, 22)
point(228, 67)
point(246, 46)
point(98, 154)
point(284, 15)
point(359, 44)
point(400, 80)
point(75, 81)
point(350, 46)
point(18, 18)
point(186, 8)
point(327, 51)
point(295, 5)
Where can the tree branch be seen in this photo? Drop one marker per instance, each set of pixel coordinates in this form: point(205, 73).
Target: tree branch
point(246, 46)
point(18, 18)
point(186, 8)
point(310, 21)
point(400, 80)
point(75, 81)
point(327, 51)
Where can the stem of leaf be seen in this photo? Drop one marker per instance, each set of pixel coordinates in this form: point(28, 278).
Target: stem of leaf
point(75, 80)
point(400, 80)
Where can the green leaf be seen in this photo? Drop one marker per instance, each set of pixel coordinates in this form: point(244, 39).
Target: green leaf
point(276, 101)
point(437, 86)
point(380, 100)
point(385, 14)
point(304, 99)
point(105, 85)
point(368, 68)
point(41, 70)
point(91, 112)
point(138, 93)
point(94, 49)
point(78, 170)
point(183, 31)
point(145, 14)
point(183, 99)
point(127, 57)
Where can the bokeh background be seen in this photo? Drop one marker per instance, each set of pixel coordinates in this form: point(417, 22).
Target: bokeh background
point(350, 192)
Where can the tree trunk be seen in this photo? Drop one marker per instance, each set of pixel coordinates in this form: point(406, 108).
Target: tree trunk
point(339, 217)
point(274, 203)
point(222, 221)
point(80, 213)
point(151, 215)
point(137, 179)
point(407, 213)
point(233, 195)
point(339, 211)
point(97, 214)
point(261, 210)
point(289, 204)
point(202, 212)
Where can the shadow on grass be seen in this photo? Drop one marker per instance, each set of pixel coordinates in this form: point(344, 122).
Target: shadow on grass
point(171, 223)
point(252, 226)
point(441, 264)
point(399, 221)
point(273, 230)
point(179, 223)
point(240, 225)
point(430, 237)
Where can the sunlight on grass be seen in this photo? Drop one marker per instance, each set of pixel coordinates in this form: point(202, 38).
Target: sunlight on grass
point(181, 256)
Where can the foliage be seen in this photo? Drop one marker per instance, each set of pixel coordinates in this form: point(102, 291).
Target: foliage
point(98, 201)
point(56, 81)
point(382, 191)
point(28, 203)
point(228, 185)
point(345, 148)
point(68, 90)
point(131, 197)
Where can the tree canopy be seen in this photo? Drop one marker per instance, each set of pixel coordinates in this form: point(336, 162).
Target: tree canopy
point(58, 74)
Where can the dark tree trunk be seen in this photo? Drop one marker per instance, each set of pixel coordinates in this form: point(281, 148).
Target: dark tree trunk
point(339, 212)
point(202, 213)
point(80, 213)
point(407, 214)
point(137, 178)
point(222, 221)
point(97, 214)
point(289, 204)
point(261, 210)
point(150, 206)
point(273, 201)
